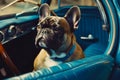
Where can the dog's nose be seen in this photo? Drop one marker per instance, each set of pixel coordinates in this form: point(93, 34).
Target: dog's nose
point(40, 38)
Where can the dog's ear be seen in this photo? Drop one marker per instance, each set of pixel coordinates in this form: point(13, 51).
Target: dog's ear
point(73, 17)
point(43, 11)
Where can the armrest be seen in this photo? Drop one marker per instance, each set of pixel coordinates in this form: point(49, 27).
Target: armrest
point(90, 68)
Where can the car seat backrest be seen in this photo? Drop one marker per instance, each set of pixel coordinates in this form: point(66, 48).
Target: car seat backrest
point(91, 24)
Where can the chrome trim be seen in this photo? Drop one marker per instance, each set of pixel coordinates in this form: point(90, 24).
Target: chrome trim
point(113, 31)
point(11, 30)
point(102, 12)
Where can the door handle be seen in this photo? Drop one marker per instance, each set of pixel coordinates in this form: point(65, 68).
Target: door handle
point(88, 38)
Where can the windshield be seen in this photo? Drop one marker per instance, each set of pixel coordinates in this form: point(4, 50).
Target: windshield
point(15, 8)
point(26, 6)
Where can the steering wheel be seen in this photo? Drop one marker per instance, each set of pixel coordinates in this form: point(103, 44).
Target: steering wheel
point(7, 60)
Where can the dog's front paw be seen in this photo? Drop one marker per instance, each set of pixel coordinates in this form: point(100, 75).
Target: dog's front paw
point(40, 59)
point(49, 62)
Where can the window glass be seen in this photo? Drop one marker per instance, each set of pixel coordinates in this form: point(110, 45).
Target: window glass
point(72, 2)
point(25, 6)
point(15, 8)
point(78, 2)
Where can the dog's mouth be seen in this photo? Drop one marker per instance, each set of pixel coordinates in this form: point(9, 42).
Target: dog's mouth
point(40, 43)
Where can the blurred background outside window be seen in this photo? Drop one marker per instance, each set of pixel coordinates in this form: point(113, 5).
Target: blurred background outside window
point(21, 6)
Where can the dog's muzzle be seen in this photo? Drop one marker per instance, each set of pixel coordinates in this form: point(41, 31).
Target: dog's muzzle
point(40, 43)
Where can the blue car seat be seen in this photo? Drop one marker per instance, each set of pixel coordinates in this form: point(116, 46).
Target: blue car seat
point(92, 68)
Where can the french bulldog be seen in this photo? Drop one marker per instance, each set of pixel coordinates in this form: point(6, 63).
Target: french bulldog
point(55, 35)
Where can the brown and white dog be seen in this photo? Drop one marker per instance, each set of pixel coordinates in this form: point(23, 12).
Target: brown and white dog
point(55, 35)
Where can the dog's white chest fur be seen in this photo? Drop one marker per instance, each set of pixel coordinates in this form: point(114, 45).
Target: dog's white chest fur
point(44, 60)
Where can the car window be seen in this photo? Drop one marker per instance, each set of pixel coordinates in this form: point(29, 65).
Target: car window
point(54, 3)
point(25, 6)
point(15, 8)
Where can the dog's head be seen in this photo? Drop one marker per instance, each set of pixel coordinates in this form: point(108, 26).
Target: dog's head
point(53, 31)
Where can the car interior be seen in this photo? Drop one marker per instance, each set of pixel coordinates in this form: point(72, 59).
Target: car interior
point(93, 35)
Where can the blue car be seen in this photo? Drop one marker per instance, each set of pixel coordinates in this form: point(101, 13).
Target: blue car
point(98, 34)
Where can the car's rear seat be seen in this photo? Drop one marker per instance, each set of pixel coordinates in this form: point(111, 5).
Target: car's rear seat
point(90, 23)
point(95, 49)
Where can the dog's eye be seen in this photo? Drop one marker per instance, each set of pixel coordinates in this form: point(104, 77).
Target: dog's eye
point(38, 27)
point(55, 28)
point(39, 24)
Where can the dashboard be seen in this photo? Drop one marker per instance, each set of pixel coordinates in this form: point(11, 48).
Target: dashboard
point(14, 27)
